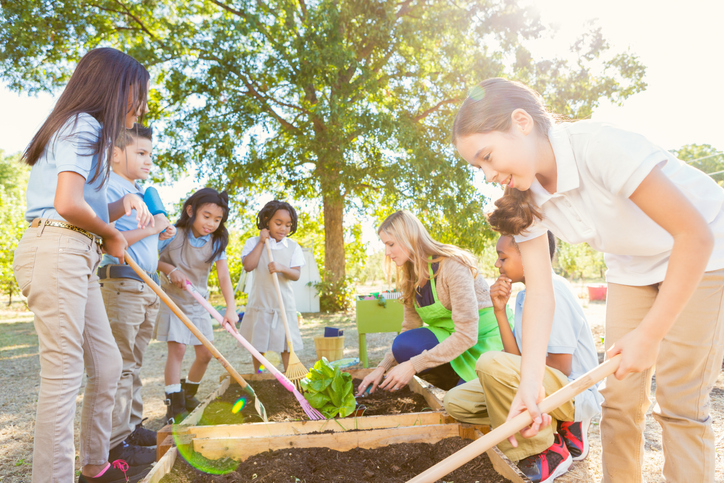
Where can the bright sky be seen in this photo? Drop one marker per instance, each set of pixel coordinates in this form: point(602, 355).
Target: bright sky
point(680, 43)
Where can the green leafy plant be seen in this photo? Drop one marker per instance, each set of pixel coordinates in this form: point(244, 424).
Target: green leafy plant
point(334, 295)
point(329, 390)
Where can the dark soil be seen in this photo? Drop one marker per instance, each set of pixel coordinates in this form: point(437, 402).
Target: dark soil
point(393, 464)
point(281, 405)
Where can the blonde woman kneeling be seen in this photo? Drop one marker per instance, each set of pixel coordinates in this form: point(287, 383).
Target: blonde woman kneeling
point(449, 320)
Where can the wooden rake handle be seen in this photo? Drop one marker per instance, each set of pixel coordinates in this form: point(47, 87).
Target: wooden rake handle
point(194, 330)
point(523, 420)
point(267, 243)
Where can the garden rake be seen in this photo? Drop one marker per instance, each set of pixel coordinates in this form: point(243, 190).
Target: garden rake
point(308, 409)
point(509, 428)
point(295, 370)
point(194, 330)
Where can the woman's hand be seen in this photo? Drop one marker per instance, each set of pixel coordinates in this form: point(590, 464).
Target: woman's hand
point(500, 293)
point(527, 399)
point(263, 235)
point(115, 244)
point(143, 216)
point(398, 377)
point(178, 278)
point(230, 317)
point(638, 352)
point(373, 378)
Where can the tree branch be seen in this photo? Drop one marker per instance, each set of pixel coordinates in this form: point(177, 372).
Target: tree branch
point(141, 24)
point(437, 106)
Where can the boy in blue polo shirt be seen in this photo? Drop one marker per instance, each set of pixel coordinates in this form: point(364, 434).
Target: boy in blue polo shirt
point(571, 353)
point(131, 305)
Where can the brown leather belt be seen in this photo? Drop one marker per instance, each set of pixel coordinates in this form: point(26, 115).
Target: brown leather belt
point(40, 222)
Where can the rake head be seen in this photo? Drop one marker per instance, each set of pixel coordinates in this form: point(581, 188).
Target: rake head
point(296, 371)
point(311, 413)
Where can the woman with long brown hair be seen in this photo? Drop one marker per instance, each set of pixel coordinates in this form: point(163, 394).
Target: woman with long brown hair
point(56, 260)
point(449, 320)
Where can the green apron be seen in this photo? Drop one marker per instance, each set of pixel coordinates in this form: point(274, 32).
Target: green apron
point(439, 322)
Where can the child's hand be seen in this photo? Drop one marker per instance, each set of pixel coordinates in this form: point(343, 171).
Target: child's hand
point(160, 223)
point(276, 267)
point(231, 317)
point(500, 293)
point(115, 245)
point(178, 278)
point(527, 399)
point(169, 230)
point(143, 216)
point(639, 352)
point(263, 235)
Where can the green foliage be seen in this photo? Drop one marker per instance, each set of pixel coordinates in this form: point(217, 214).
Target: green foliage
point(579, 261)
point(13, 182)
point(346, 104)
point(704, 157)
point(335, 295)
point(329, 390)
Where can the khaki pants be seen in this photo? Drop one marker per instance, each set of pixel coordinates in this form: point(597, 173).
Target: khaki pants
point(488, 400)
point(132, 308)
point(55, 269)
point(688, 364)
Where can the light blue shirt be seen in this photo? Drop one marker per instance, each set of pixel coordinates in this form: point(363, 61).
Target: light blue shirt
point(145, 251)
point(67, 150)
point(570, 334)
point(195, 242)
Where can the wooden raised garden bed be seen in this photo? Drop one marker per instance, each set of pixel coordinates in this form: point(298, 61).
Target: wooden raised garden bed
point(242, 441)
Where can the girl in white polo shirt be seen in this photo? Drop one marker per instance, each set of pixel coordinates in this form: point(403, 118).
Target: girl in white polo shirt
point(659, 223)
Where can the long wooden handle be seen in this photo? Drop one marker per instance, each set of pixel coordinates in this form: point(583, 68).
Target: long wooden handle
point(523, 420)
point(267, 243)
point(231, 330)
point(194, 330)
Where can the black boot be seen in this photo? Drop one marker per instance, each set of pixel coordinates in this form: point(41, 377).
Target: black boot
point(190, 388)
point(176, 409)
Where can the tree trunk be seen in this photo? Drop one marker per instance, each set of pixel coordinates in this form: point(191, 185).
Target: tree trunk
point(334, 235)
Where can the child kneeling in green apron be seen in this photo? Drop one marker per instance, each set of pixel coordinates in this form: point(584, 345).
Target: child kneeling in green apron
point(571, 353)
point(448, 319)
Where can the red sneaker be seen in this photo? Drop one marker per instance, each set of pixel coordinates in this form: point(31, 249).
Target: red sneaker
point(575, 435)
point(548, 465)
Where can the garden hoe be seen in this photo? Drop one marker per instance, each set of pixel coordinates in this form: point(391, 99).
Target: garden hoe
point(523, 420)
point(308, 409)
point(194, 330)
point(296, 370)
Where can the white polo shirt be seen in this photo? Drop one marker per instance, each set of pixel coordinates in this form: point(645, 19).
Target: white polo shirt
point(599, 167)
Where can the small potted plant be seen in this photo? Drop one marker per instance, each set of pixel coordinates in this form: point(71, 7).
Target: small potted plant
point(329, 390)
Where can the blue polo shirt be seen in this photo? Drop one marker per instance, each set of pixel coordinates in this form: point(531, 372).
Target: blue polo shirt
point(67, 150)
point(570, 334)
point(145, 251)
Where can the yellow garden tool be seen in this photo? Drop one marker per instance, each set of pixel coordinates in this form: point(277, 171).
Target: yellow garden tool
point(295, 370)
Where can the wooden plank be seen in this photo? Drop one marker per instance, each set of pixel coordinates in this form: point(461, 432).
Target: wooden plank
point(305, 427)
point(195, 416)
point(506, 468)
point(162, 467)
point(164, 441)
point(242, 448)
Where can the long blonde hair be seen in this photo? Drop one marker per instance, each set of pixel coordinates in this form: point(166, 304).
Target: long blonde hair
point(404, 227)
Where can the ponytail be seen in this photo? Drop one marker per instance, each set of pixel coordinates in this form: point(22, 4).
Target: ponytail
point(514, 212)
